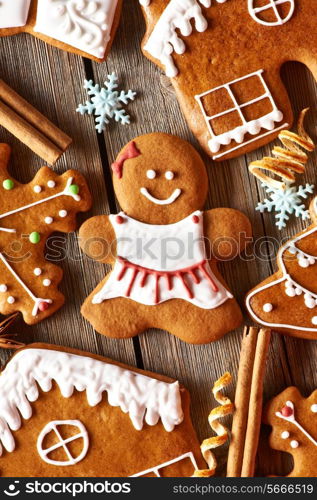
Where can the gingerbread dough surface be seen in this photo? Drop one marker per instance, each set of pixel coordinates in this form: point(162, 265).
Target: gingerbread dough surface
point(86, 416)
point(225, 58)
point(163, 247)
point(287, 300)
point(293, 420)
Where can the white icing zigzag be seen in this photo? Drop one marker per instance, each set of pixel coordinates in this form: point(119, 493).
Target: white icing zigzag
point(164, 39)
point(144, 398)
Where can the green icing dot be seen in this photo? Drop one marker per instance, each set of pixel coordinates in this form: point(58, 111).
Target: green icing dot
point(35, 237)
point(8, 184)
point(74, 189)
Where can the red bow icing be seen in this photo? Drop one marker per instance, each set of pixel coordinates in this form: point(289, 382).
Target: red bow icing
point(131, 151)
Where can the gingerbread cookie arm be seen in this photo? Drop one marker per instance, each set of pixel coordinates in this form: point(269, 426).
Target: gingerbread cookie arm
point(97, 239)
point(227, 232)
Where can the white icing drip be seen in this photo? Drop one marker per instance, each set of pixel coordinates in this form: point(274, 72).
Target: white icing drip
point(164, 39)
point(14, 13)
point(63, 442)
point(66, 192)
point(168, 201)
point(293, 421)
point(37, 301)
point(144, 398)
point(85, 25)
point(292, 288)
point(252, 127)
point(271, 4)
point(156, 470)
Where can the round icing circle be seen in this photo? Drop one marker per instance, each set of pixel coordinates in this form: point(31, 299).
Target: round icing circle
point(37, 189)
point(268, 307)
point(285, 435)
point(314, 320)
point(63, 213)
point(169, 175)
point(3, 288)
point(314, 408)
point(47, 282)
point(294, 444)
point(37, 271)
point(151, 174)
point(51, 184)
point(11, 300)
point(48, 220)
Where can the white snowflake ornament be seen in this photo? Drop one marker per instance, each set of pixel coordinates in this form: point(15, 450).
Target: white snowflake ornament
point(106, 102)
point(285, 202)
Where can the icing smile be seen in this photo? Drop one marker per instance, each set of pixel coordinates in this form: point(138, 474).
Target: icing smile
point(167, 201)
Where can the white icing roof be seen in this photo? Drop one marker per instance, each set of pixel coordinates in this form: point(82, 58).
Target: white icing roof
point(145, 399)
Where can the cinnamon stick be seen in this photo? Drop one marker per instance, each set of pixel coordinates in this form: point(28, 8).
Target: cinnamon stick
point(30, 126)
point(248, 403)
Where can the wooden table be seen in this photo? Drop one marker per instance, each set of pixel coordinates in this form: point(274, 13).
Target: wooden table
point(52, 80)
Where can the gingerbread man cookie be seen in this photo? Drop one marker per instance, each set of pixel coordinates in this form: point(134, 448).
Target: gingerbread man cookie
point(163, 247)
point(287, 301)
point(224, 58)
point(80, 425)
point(29, 214)
point(84, 27)
point(293, 420)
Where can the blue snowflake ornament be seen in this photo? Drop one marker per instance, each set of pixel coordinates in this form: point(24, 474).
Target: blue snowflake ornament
point(106, 102)
point(285, 202)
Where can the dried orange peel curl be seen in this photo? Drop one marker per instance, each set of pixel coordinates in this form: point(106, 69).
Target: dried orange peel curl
point(226, 408)
point(287, 161)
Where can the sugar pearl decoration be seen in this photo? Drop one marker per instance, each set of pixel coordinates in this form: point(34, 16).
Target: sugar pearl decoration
point(11, 300)
point(48, 220)
point(37, 189)
point(268, 307)
point(3, 288)
point(47, 282)
point(169, 175)
point(285, 435)
point(51, 184)
point(37, 271)
point(294, 444)
point(151, 174)
point(314, 408)
point(314, 320)
point(63, 213)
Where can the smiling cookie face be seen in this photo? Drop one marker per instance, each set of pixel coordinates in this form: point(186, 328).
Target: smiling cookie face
point(160, 179)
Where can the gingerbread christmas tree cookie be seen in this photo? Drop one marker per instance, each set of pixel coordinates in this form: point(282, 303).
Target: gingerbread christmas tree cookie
point(224, 58)
point(79, 425)
point(29, 214)
point(293, 420)
point(163, 247)
point(287, 301)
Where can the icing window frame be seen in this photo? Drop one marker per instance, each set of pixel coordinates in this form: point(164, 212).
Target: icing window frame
point(271, 4)
point(62, 442)
point(252, 127)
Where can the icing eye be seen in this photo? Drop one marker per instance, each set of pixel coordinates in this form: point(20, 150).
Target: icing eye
point(169, 175)
point(151, 174)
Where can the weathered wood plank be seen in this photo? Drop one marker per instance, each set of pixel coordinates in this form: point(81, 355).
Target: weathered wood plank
point(52, 80)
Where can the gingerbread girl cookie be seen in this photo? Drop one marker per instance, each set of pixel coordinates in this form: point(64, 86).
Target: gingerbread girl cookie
point(80, 425)
point(163, 247)
point(224, 58)
point(84, 27)
point(29, 214)
point(293, 420)
point(287, 301)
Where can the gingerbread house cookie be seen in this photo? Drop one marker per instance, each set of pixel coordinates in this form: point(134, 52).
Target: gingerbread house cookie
point(293, 420)
point(287, 300)
point(69, 413)
point(224, 58)
point(84, 27)
point(163, 247)
point(29, 214)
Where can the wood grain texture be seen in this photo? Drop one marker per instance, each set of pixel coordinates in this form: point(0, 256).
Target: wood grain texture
point(52, 81)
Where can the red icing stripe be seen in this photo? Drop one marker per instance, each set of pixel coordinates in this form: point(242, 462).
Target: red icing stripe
point(168, 275)
point(131, 151)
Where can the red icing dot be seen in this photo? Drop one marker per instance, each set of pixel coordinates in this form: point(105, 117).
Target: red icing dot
point(43, 306)
point(287, 411)
point(119, 219)
point(195, 219)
